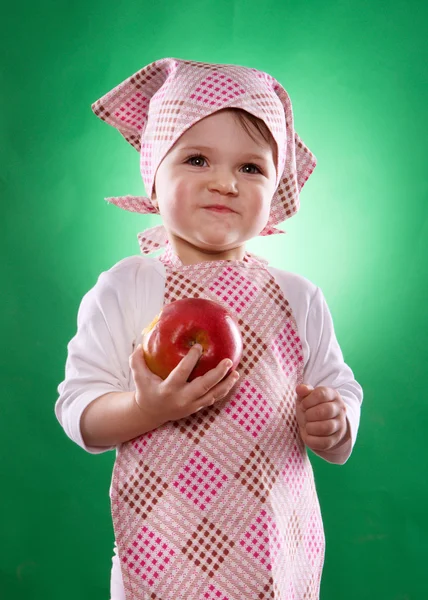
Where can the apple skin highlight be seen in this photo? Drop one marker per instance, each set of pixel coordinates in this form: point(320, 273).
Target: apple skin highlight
point(186, 322)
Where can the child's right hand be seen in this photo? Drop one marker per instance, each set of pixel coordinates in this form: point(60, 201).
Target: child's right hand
point(173, 398)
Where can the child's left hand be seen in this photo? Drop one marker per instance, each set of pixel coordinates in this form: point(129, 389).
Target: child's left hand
point(321, 416)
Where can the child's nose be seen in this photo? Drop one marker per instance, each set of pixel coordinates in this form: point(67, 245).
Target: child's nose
point(223, 182)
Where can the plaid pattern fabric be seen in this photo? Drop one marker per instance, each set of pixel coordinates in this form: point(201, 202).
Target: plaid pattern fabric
point(222, 504)
point(155, 106)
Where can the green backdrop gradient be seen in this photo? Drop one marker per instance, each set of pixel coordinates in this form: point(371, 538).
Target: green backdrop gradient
point(356, 73)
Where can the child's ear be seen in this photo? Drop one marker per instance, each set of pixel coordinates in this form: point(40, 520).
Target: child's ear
point(154, 199)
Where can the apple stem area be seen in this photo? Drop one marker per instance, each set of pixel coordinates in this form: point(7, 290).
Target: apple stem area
point(197, 337)
point(152, 324)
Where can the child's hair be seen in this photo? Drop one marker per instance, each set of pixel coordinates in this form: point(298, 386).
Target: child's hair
point(253, 126)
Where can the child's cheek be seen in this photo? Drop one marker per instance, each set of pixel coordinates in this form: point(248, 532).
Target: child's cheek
point(184, 194)
point(179, 201)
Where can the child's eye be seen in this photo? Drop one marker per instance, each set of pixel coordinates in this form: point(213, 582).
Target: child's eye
point(200, 161)
point(251, 166)
point(196, 160)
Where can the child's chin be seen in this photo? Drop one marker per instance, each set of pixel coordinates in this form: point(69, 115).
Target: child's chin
point(217, 243)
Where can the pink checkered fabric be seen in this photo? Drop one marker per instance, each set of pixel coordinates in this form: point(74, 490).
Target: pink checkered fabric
point(222, 504)
point(156, 105)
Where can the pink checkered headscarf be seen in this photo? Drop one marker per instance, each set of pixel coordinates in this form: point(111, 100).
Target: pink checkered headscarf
point(156, 105)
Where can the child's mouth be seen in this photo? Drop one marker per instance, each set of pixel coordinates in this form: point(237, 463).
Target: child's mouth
point(219, 208)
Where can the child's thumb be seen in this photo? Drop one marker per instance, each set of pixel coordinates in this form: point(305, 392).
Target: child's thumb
point(304, 389)
point(136, 360)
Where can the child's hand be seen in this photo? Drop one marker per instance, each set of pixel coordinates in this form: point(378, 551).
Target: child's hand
point(174, 398)
point(321, 415)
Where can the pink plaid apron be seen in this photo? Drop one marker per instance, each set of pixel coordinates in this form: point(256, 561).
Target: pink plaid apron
point(222, 505)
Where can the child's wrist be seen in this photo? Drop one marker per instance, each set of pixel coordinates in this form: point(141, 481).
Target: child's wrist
point(150, 421)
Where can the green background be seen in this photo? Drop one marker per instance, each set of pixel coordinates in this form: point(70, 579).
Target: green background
point(356, 73)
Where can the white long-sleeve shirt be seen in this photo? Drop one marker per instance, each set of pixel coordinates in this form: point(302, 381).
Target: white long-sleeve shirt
point(128, 296)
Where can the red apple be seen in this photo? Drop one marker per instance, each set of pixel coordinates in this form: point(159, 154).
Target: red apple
point(185, 322)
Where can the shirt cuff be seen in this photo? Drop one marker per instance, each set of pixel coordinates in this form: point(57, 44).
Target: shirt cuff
point(70, 417)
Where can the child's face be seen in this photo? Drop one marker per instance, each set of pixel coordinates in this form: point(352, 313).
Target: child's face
point(215, 162)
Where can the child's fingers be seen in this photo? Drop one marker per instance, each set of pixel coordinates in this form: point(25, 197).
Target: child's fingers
point(180, 374)
point(139, 367)
point(203, 384)
point(323, 428)
point(218, 392)
point(136, 359)
point(321, 443)
point(300, 415)
point(318, 396)
point(323, 412)
point(304, 390)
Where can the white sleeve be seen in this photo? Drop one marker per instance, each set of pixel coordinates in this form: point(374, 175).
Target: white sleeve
point(98, 355)
point(325, 365)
